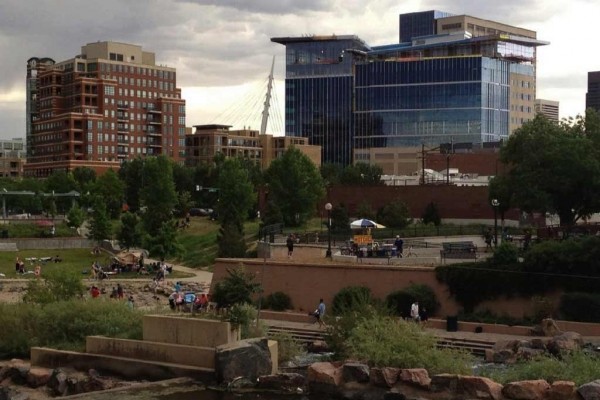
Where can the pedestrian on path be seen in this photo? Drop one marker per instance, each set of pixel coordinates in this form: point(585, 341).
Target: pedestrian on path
point(320, 313)
point(290, 245)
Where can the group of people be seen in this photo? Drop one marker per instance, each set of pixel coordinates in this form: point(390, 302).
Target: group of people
point(419, 315)
point(179, 299)
point(117, 293)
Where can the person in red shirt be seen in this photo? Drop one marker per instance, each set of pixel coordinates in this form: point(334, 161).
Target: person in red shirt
point(95, 292)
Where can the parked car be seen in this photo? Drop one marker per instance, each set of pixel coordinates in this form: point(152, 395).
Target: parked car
point(200, 212)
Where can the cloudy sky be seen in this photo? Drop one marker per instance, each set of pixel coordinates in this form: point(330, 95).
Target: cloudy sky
point(222, 50)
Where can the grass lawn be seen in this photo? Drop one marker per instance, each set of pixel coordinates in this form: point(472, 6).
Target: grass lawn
point(73, 260)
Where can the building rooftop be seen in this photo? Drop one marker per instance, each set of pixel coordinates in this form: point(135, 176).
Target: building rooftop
point(316, 38)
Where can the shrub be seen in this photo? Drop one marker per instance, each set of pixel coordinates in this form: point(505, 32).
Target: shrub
point(581, 307)
point(386, 341)
point(64, 324)
point(505, 254)
point(287, 347)
point(237, 288)
point(242, 315)
point(351, 298)
point(56, 286)
point(278, 301)
point(399, 302)
point(431, 215)
point(578, 367)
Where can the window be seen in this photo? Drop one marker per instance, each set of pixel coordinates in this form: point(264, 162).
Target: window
point(109, 90)
point(182, 120)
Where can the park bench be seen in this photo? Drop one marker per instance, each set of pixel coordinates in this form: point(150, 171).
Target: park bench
point(458, 250)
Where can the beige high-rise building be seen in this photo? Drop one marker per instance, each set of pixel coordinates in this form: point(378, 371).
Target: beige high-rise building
point(548, 108)
point(108, 104)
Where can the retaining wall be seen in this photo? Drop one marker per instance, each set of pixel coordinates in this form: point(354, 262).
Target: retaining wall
point(188, 331)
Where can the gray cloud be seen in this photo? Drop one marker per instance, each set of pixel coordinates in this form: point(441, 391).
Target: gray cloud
point(266, 6)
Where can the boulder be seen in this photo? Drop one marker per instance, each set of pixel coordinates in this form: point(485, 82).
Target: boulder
point(562, 390)
point(526, 390)
point(355, 372)
point(7, 393)
point(415, 376)
point(286, 382)
point(38, 376)
point(549, 327)
point(505, 356)
point(590, 391)
point(512, 345)
point(17, 370)
point(58, 382)
point(444, 382)
point(538, 343)
point(318, 346)
point(324, 377)
point(526, 353)
point(249, 358)
point(384, 377)
point(565, 342)
point(476, 387)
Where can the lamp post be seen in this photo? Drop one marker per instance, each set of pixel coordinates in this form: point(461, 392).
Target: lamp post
point(328, 207)
point(495, 204)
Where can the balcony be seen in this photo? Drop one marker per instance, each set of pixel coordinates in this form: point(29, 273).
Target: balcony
point(154, 121)
point(122, 106)
point(122, 128)
point(153, 132)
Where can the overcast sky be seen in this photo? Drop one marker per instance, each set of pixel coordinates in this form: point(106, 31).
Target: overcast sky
point(222, 50)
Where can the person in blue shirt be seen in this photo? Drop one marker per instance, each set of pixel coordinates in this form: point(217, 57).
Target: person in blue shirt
point(320, 313)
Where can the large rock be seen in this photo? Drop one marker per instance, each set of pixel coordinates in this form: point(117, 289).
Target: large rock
point(286, 382)
point(7, 393)
point(476, 387)
point(562, 390)
point(444, 382)
point(564, 343)
point(526, 353)
point(324, 377)
point(505, 356)
point(58, 383)
point(318, 346)
point(512, 345)
point(17, 370)
point(38, 376)
point(590, 391)
point(248, 358)
point(355, 372)
point(549, 327)
point(416, 377)
point(526, 390)
point(384, 377)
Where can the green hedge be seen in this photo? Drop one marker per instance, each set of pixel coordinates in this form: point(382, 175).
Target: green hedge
point(399, 302)
point(351, 298)
point(581, 307)
point(278, 301)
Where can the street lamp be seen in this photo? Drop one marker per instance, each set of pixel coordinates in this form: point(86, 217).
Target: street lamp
point(328, 207)
point(495, 204)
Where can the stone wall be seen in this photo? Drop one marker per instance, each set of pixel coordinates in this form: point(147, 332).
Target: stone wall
point(188, 331)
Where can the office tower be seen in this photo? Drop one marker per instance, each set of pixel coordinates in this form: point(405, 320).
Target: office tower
point(451, 78)
point(592, 97)
point(109, 104)
point(547, 108)
point(34, 66)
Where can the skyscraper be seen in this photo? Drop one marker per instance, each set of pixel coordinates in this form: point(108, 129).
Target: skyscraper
point(592, 97)
point(547, 108)
point(451, 78)
point(102, 107)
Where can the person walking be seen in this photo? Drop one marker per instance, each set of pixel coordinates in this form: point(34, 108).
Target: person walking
point(290, 245)
point(399, 244)
point(414, 311)
point(320, 313)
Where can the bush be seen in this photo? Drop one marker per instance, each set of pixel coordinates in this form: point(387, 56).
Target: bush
point(64, 324)
point(237, 288)
point(431, 215)
point(385, 341)
point(56, 286)
point(505, 254)
point(351, 298)
point(399, 302)
point(581, 307)
point(243, 315)
point(278, 301)
point(578, 367)
point(287, 347)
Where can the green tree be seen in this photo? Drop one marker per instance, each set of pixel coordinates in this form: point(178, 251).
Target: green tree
point(431, 215)
point(58, 285)
point(395, 215)
point(331, 173)
point(129, 234)
point(361, 174)
point(99, 224)
point(231, 241)
point(184, 203)
point(295, 184)
point(236, 288)
point(365, 210)
point(158, 194)
point(164, 243)
point(132, 175)
point(555, 168)
point(85, 178)
point(339, 220)
point(75, 217)
point(110, 188)
point(236, 193)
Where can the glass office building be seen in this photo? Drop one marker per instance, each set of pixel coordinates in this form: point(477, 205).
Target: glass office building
point(318, 92)
point(451, 78)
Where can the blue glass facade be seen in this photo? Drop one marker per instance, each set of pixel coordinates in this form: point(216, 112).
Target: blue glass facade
point(318, 95)
point(431, 101)
point(419, 24)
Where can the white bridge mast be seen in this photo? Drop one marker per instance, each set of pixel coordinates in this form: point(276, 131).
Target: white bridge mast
point(265, 113)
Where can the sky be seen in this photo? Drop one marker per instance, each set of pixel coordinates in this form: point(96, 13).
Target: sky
point(223, 53)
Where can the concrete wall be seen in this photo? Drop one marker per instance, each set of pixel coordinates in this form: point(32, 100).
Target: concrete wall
point(188, 331)
point(170, 353)
point(50, 243)
point(307, 283)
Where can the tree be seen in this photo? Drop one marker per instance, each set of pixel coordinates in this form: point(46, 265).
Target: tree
point(295, 185)
point(75, 217)
point(111, 189)
point(554, 167)
point(237, 288)
point(85, 178)
point(132, 175)
point(164, 243)
point(365, 210)
point(361, 174)
point(431, 215)
point(339, 220)
point(157, 194)
point(231, 241)
point(99, 225)
point(395, 215)
point(129, 234)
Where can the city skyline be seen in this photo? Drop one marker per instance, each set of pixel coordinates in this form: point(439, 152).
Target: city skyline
point(222, 49)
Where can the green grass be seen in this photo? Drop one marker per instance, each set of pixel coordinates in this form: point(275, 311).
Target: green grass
point(73, 260)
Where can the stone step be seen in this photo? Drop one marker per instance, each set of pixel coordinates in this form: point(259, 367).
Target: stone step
point(128, 368)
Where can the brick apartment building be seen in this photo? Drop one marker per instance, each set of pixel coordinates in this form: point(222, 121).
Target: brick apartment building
point(109, 104)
